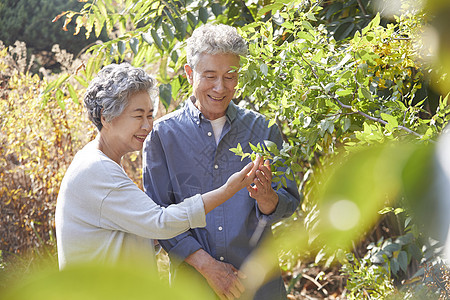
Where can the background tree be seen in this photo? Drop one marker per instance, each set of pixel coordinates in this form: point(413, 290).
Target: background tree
point(30, 21)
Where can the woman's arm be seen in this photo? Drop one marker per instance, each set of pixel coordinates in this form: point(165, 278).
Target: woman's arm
point(235, 183)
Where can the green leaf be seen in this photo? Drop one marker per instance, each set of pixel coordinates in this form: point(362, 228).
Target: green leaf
point(283, 181)
point(216, 9)
point(59, 95)
point(405, 239)
point(305, 35)
point(203, 15)
point(346, 123)
point(180, 27)
point(403, 260)
point(256, 148)
point(121, 46)
point(238, 150)
point(134, 45)
point(345, 76)
point(271, 7)
point(102, 8)
point(72, 93)
point(296, 167)
point(147, 38)
point(55, 84)
point(386, 210)
point(391, 248)
point(165, 94)
point(167, 31)
point(98, 21)
point(81, 80)
point(363, 92)
point(394, 266)
point(264, 69)
point(271, 146)
point(192, 20)
point(343, 93)
point(156, 39)
point(392, 121)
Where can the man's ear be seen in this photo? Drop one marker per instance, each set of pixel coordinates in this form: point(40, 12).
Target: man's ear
point(189, 73)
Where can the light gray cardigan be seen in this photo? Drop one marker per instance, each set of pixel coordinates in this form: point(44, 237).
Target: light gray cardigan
point(102, 216)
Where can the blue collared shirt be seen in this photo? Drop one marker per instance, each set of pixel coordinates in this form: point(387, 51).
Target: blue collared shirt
point(181, 159)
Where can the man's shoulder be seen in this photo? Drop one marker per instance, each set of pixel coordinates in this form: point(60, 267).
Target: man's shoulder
point(172, 117)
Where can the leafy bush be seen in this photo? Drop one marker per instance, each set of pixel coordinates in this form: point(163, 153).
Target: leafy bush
point(38, 142)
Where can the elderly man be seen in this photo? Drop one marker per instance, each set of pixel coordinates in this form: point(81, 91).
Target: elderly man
point(188, 153)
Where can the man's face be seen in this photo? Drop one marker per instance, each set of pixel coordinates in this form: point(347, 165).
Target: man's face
point(214, 81)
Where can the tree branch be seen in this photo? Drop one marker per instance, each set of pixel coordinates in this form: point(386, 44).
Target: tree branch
point(332, 96)
point(361, 6)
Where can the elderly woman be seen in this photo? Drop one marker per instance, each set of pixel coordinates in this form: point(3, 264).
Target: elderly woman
point(101, 215)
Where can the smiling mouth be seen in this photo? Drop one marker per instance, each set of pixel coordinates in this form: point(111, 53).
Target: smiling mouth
point(216, 98)
point(140, 138)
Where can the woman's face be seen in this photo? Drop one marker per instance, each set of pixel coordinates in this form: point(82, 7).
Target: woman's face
point(128, 131)
point(214, 81)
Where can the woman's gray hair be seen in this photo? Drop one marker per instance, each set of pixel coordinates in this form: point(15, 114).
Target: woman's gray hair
point(107, 94)
point(214, 39)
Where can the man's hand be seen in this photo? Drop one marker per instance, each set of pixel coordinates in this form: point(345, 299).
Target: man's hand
point(262, 190)
point(222, 277)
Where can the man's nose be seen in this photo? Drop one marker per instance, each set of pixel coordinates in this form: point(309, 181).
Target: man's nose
point(219, 85)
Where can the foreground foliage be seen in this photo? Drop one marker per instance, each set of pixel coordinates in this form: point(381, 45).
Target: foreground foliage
point(352, 97)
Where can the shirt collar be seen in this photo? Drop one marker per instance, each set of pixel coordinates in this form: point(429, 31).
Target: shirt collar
point(193, 111)
point(197, 116)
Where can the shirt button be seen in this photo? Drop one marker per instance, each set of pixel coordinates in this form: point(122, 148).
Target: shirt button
point(209, 133)
point(220, 228)
point(216, 167)
point(221, 258)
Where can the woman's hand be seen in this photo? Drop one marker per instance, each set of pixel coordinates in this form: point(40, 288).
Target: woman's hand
point(235, 183)
point(244, 177)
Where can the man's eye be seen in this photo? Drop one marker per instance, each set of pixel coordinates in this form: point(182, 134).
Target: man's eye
point(138, 117)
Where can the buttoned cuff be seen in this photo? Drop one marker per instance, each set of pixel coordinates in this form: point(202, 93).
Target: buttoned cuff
point(278, 213)
point(196, 211)
point(183, 249)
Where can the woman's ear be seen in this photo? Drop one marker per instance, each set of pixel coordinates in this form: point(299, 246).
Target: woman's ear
point(189, 73)
point(105, 124)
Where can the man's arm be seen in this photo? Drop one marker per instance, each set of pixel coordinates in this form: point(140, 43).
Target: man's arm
point(275, 204)
point(262, 191)
point(222, 277)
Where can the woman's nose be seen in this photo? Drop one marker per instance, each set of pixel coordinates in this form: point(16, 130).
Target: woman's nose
point(147, 125)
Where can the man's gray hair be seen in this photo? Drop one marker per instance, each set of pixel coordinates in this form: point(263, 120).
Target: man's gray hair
point(108, 93)
point(214, 39)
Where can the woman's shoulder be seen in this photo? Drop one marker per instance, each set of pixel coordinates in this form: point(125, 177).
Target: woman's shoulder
point(90, 165)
